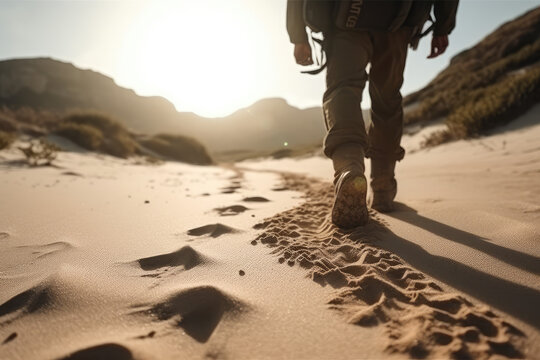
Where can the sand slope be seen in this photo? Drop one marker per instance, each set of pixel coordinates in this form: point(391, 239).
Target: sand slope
point(112, 259)
point(102, 258)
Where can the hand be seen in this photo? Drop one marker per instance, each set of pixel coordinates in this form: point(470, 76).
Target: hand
point(438, 46)
point(302, 54)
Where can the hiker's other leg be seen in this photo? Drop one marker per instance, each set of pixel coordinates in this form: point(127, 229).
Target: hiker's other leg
point(386, 128)
point(348, 56)
point(385, 80)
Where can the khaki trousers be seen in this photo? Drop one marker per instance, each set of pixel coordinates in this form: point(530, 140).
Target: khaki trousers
point(349, 53)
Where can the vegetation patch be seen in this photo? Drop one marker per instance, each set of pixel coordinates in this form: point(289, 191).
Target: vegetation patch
point(179, 148)
point(85, 136)
point(39, 152)
point(98, 132)
point(7, 124)
point(491, 106)
point(6, 139)
point(485, 86)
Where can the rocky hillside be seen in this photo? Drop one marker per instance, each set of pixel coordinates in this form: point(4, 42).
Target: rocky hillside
point(47, 84)
point(486, 85)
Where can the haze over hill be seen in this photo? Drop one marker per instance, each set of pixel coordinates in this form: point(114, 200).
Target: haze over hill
point(45, 83)
point(484, 86)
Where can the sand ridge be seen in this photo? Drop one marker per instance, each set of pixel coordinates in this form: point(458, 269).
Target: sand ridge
point(375, 287)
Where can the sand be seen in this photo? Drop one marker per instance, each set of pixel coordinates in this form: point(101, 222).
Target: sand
point(102, 258)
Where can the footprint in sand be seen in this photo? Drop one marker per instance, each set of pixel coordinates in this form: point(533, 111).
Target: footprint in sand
point(39, 298)
point(213, 230)
point(282, 188)
point(256, 199)
point(102, 351)
point(235, 185)
point(183, 259)
point(231, 210)
point(200, 309)
point(71, 173)
point(10, 338)
point(4, 235)
point(230, 189)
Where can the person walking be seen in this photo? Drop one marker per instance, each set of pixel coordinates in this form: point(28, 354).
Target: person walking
point(377, 33)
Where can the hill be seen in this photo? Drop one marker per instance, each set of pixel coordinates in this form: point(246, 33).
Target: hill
point(484, 86)
point(48, 84)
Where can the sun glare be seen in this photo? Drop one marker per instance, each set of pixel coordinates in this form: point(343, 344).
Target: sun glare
point(201, 55)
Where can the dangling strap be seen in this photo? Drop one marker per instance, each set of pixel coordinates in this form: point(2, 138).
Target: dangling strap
point(429, 29)
point(416, 38)
point(322, 63)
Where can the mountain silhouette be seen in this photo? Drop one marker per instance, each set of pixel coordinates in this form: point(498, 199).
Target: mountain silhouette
point(49, 84)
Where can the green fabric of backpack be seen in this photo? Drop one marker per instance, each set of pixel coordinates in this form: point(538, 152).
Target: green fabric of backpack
point(379, 15)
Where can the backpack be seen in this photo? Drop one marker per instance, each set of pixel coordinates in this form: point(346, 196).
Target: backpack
point(319, 15)
point(381, 15)
point(322, 16)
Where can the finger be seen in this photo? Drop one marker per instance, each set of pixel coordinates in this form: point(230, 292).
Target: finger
point(441, 50)
point(444, 45)
point(306, 61)
point(445, 41)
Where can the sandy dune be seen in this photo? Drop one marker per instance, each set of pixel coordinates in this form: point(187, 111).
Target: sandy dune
point(109, 259)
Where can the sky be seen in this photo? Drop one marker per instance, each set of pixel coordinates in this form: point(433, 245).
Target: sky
point(211, 57)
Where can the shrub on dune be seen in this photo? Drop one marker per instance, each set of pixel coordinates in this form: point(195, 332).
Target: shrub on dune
point(5, 139)
point(491, 106)
point(120, 145)
point(83, 135)
point(98, 132)
point(7, 124)
point(179, 148)
point(102, 122)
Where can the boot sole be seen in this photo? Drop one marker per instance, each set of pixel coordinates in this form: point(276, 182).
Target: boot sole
point(350, 208)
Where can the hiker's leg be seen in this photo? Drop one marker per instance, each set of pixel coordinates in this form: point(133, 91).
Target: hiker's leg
point(346, 139)
point(386, 128)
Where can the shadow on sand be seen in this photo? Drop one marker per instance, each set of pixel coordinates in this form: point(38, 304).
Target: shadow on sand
point(523, 261)
point(517, 300)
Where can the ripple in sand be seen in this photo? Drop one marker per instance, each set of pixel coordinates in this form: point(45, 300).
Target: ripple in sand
point(46, 250)
point(198, 311)
point(108, 351)
point(213, 230)
point(231, 210)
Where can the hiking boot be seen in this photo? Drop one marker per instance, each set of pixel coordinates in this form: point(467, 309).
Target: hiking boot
point(383, 185)
point(350, 208)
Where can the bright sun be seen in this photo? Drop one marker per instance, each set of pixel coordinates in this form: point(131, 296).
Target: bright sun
point(201, 55)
